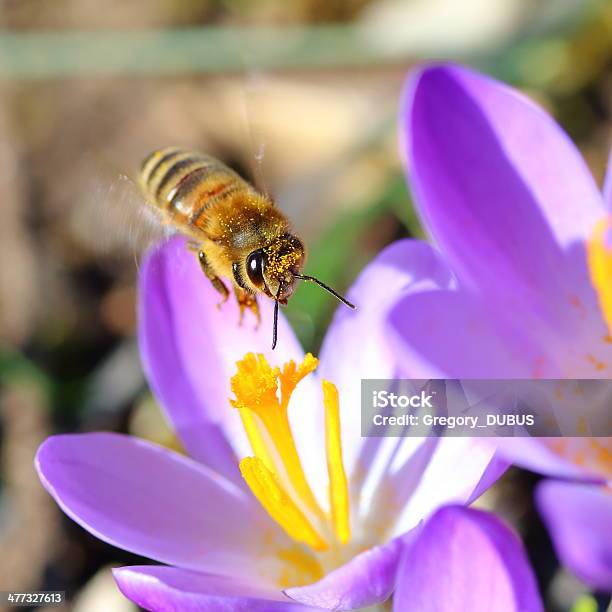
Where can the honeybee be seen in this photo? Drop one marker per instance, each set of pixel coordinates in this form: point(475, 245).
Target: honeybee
point(236, 232)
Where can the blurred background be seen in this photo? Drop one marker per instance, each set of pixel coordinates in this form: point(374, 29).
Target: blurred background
point(301, 97)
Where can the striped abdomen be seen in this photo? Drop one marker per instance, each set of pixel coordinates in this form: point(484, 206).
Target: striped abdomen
point(184, 184)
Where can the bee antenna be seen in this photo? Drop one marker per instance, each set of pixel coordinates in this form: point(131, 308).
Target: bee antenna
point(275, 324)
point(328, 289)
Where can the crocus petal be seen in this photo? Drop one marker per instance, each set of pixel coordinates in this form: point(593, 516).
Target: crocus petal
point(162, 589)
point(447, 334)
point(456, 472)
point(368, 579)
point(511, 220)
point(559, 457)
point(607, 189)
point(190, 347)
point(154, 502)
point(464, 560)
point(579, 519)
point(495, 470)
point(356, 345)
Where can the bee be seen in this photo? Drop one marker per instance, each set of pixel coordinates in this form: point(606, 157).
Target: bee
point(236, 232)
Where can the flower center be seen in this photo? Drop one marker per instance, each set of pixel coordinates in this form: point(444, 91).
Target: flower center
point(599, 250)
point(275, 473)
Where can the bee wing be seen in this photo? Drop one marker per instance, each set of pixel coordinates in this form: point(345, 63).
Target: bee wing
point(271, 104)
point(253, 96)
point(117, 219)
point(269, 108)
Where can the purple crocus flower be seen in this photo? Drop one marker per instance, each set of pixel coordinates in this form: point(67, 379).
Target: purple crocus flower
point(285, 507)
point(520, 222)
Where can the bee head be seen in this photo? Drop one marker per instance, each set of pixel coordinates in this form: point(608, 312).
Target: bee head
point(273, 269)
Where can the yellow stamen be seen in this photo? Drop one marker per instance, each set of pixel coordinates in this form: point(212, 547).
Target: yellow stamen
point(338, 485)
point(257, 437)
point(255, 386)
point(600, 266)
point(292, 375)
point(275, 475)
point(278, 504)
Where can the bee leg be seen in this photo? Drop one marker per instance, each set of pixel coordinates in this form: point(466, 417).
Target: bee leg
point(246, 301)
point(215, 281)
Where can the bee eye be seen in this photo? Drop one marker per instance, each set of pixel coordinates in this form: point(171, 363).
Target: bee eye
point(255, 268)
